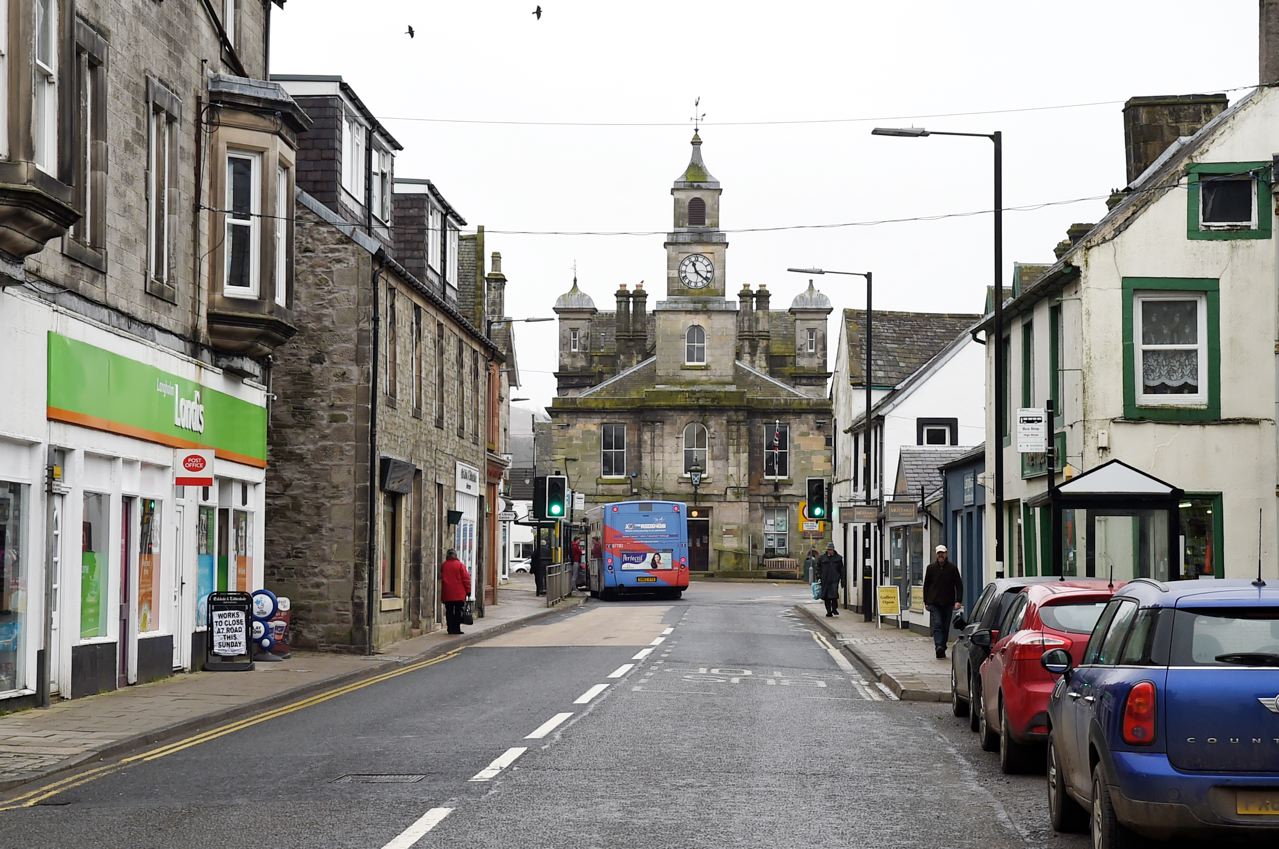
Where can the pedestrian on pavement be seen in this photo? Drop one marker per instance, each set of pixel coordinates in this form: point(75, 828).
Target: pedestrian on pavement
point(831, 566)
point(810, 565)
point(455, 588)
point(943, 589)
point(540, 555)
point(576, 551)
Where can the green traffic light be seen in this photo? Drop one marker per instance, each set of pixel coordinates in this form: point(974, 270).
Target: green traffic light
point(556, 509)
point(817, 511)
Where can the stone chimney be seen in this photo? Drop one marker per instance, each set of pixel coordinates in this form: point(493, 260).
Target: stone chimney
point(745, 323)
point(639, 320)
point(622, 329)
point(1268, 29)
point(762, 329)
point(495, 289)
point(1151, 124)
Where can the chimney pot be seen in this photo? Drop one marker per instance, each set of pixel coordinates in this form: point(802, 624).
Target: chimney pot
point(1268, 47)
point(497, 262)
point(1151, 124)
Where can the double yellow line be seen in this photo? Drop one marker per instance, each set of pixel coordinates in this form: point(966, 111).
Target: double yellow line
point(48, 791)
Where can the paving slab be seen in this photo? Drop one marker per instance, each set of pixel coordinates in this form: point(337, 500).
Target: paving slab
point(900, 659)
point(42, 742)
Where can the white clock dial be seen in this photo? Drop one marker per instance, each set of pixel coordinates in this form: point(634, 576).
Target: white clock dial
point(696, 271)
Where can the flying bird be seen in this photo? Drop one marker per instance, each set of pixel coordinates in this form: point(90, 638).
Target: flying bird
point(409, 32)
point(537, 13)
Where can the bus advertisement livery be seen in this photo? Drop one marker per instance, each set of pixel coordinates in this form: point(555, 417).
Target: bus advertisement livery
point(638, 546)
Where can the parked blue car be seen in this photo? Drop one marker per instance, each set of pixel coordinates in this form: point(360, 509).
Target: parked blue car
point(1170, 724)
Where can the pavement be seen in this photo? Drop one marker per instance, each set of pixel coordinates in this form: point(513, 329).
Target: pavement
point(38, 743)
point(900, 659)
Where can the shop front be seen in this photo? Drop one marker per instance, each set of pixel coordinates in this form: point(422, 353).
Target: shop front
point(466, 502)
point(92, 520)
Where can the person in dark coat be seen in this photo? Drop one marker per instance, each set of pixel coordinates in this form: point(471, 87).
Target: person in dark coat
point(810, 565)
point(455, 587)
point(831, 569)
point(943, 589)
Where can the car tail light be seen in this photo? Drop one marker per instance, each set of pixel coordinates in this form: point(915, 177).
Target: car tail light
point(1034, 646)
point(1139, 715)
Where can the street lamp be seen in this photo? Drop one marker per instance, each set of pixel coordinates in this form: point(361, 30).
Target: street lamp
point(490, 323)
point(868, 591)
point(695, 477)
point(997, 138)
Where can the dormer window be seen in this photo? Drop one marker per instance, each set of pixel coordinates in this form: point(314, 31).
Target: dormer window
point(353, 133)
point(381, 184)
point(697, 213)
point(695, 346)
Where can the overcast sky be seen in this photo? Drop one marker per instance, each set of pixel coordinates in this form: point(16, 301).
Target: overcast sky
point(589, 63)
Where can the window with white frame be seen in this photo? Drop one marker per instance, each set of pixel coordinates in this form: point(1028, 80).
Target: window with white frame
point(381, 184)
point(695, 444)
point(4, 76)
point(776, 531)
point(283, 220)
point(1171, 338)
point(435, 229)
point(935, 435)
point(161, 146)
point(1227, 201)
point(242, 215)
point(776, 450)
point(450, 262)
point(90, 135)
point(44, 120)
point(613, 450)
point(574, 340)
point(695, 346)
point(229, 19)
point(353, 156)
point(810, 343)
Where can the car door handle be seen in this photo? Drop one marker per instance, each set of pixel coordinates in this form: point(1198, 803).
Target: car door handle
point(1072, 694)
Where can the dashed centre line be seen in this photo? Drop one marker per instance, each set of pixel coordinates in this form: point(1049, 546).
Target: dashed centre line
point(411, 835)
point(503, 761)
point(668, 632)
point(590, 694)
point(621, 670)
point(549, 726)
point(658, 641)
point(641, 654)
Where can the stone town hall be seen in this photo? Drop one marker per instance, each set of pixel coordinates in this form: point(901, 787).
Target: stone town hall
point(696, 386)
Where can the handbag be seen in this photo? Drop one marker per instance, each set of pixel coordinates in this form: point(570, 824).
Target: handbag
point(467, 618)
point(817, 590)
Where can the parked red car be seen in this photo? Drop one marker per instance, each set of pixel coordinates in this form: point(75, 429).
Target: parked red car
point(1013, 712)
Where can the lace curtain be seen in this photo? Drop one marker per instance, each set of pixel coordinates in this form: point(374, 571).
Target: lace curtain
point(1170, 347)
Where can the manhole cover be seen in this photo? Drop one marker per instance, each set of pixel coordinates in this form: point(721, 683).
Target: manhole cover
point(379, 778)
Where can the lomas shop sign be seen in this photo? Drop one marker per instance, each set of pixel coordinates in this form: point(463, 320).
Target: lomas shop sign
point(92, 387)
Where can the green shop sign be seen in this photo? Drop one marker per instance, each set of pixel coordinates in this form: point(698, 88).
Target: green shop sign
point(93, 387)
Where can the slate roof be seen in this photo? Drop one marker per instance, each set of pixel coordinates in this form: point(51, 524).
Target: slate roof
point(918, 467)
point(902, 342)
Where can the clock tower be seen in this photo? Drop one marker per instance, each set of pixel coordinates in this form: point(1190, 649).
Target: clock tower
point(695, 249)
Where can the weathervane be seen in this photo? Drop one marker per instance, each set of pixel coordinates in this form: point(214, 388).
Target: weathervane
point(698, 116)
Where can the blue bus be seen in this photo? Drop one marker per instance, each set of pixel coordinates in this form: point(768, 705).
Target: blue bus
point(637, 546)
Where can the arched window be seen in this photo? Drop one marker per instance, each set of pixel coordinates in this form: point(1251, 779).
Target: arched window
point(697, 213)
point(695, 346)
point(695, 442)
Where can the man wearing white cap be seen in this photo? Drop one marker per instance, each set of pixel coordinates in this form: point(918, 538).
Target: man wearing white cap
point(943, 589)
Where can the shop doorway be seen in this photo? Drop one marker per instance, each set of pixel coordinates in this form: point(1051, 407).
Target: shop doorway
point(124, 643)
point(55, 624)
point(699, 543)
point(179, 627)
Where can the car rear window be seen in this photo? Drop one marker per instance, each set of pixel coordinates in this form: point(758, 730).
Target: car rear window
point(1226, 636)
point(1078, 618)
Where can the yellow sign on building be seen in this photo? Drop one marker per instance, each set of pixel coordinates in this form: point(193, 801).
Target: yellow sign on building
point(890, 603)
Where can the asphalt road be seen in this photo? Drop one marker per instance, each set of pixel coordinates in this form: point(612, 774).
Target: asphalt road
point(719, 720)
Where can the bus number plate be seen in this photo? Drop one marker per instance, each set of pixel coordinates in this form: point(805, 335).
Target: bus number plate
point(646, 579)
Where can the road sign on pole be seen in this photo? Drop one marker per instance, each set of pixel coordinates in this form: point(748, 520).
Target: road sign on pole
point(1032, 430)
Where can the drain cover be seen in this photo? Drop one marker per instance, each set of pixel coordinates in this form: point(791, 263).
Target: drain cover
point(379, 778)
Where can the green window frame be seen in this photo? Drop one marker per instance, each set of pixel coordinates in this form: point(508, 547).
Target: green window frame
point(1056, 377)
point(1005, 387)
point(1196, 173)
point(1133, 288)
point(1028, 363)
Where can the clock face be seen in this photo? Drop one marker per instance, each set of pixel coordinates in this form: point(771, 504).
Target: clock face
point(696, 271)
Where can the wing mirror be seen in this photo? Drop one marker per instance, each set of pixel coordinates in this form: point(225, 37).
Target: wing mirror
point(1056, 661)
point(958, 623)
point(982, 638)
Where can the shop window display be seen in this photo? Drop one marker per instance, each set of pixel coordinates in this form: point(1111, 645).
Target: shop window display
point(204, 563)
point(149, 566)
point(13, 586)
point(95, 563)
point(243, 550)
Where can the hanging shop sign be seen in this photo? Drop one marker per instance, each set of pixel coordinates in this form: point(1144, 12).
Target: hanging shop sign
point(193, 467)
point(397, 476)
point(96, 388)
point(859, 514)
point(970, 488)
point(901, 511)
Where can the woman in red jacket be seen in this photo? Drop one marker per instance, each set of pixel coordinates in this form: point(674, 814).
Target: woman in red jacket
point(455, 586)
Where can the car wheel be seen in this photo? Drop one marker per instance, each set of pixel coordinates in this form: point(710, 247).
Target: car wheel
point(1065, 814)
point(974, 702)
point(1107, 831)
point(1014, 757)
point(958, 706)
point(985, 734)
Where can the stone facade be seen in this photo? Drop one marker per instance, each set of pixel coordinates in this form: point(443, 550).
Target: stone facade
point(693, 381)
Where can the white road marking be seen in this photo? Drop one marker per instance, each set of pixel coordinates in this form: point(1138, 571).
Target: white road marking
point(642, 653)
point(668, 631)
point(506, 759)
point(836, 655)
point(621, 670)
point(548, 726)
point(590, 694)
point(658, 641)
point(892, 697)
point(411, 835)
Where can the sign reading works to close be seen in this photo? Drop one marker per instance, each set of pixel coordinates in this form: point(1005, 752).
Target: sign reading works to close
point(96, 388)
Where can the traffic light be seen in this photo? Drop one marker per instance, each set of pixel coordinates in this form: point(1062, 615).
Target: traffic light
point(556, 497)
point(539, 497)
point(817, 498)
